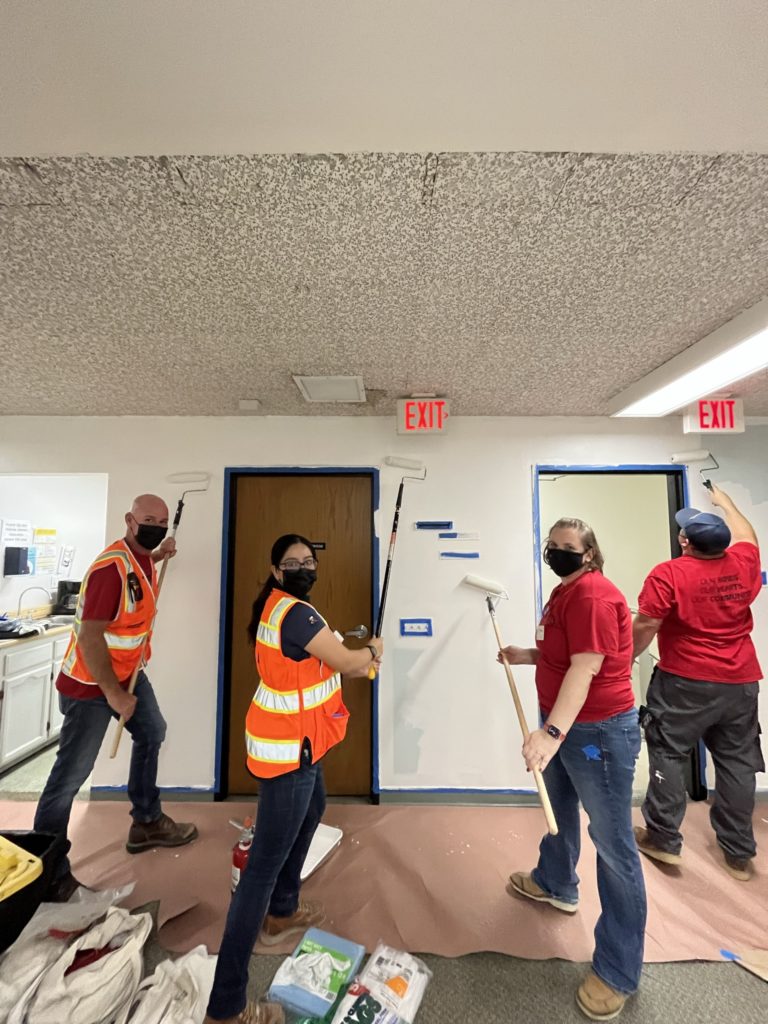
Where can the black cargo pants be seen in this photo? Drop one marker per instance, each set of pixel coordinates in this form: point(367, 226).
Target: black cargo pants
point(680, 712)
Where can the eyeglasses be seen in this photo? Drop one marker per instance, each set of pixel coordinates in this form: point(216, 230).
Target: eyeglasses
point(292, 564)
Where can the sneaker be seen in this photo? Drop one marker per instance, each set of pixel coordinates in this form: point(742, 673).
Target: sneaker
point(61, 890)
point(254, 1013)
point(644, 845)
point(740, 868)
point(163, 832)
point(597, 1000)
point(277, 929)
point(522, 883)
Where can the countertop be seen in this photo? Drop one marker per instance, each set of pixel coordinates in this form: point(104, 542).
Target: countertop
point(54, 631)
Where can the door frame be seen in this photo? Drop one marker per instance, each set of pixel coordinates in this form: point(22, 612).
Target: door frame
point(231, 474)
point(673, 471)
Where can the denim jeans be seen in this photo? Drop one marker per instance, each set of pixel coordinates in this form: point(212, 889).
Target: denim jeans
point(289, 811)
point(596, 765)
point(82, 731)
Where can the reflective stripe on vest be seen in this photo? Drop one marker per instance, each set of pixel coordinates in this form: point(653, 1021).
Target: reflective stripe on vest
point(272, 751)
point(314, 696)
point(125, 643)
point(269, 632)
point(276, 702)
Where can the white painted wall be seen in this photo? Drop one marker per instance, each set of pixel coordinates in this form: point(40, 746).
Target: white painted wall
point(73, 505)
point(192, 76)
point(446, 718)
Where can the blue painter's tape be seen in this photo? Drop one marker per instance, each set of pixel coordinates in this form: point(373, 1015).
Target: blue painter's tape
point(415, 627)
point(453, 536)
point(765, 578)
point(726, 954)
point(592, 753)
point(459, 554)
point(434, 524)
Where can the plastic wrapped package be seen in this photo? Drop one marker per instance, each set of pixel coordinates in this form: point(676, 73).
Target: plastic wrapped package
point(309, 983)
point(396, 980)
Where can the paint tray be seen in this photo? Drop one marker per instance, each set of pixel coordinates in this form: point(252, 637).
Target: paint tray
point(324, 842)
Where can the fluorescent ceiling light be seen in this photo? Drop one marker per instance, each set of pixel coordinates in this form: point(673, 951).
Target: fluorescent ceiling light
point(736, 350)
point(331, 389)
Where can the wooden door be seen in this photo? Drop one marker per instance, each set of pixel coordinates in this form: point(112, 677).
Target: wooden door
point(337, 512)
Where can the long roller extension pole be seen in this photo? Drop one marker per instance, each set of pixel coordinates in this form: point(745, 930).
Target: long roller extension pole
point(549, 814)
point(140, 666)
point(388, 570)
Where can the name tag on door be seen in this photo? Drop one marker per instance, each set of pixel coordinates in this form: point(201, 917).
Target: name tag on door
point(539, 632)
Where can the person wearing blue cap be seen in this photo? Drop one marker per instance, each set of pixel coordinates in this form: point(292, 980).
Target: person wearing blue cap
point(705, 686)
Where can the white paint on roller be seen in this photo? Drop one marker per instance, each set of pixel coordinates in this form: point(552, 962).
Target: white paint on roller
point(393, 460)
point(699, 455)
point(488, 586)
point(189, 478)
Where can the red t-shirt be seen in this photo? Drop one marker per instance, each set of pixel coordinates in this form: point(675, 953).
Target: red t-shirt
point(102, 604)
point(706, 620)
point(588, 615)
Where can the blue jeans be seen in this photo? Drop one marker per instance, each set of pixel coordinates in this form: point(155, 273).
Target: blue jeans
point(289, 811)
point(82, 731)
point(596, 765)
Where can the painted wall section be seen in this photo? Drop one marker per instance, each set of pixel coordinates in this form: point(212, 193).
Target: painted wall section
point(445, 714)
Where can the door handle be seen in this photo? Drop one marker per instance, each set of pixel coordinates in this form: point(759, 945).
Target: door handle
point(359, 633)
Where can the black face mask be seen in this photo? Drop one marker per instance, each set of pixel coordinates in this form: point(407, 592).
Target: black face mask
point(564, 563)
point(298, 582)
point(148, 536)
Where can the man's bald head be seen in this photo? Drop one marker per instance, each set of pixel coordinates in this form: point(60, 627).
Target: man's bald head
point(150, 508)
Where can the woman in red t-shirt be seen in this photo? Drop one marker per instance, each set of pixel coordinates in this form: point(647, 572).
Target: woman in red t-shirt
point(587, 748)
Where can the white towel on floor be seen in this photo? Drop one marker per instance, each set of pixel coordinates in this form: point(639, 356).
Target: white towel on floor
point(178, 991)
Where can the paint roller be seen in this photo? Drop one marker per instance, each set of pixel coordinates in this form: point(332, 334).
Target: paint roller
point(415, 467)
point(699, 455)
point(174, 478)
point(495, 591)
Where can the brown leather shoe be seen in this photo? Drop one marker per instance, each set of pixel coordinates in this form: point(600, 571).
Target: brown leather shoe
point(276, 929)
point(740, 868)
point(163, 832)
point(61, 890)
point(646, 846)
point(254, 1013)
point(522, 883)
point(597, 1000)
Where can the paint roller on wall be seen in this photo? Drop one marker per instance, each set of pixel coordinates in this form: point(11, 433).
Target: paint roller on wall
point(699, 455)
point(415, 468)
point(494, 592)
point(203, 480)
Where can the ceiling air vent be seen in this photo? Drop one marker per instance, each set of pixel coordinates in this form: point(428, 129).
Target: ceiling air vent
point(331, 389)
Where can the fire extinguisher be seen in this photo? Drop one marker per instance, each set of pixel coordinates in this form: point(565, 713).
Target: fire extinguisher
point(241, 849)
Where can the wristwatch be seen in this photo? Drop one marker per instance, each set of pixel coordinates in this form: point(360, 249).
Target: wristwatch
point(554, 732)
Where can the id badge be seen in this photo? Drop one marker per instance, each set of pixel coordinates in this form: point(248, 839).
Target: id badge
point(540, 632)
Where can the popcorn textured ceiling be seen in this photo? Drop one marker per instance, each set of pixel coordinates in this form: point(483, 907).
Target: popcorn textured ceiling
point(514, 283)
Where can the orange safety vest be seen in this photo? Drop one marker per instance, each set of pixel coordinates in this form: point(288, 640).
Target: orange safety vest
point(125, 635)
point(294, 700)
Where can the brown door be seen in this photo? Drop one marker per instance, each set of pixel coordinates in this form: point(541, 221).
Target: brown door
point(333, 510)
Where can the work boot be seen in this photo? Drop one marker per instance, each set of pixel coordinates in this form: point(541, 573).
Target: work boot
point(740, 868)
point(254, 1013)
point(163, 832)
point(522, 882)
point(597, 1000)
point(276, 929)
point(61, 890)
point(648, 847)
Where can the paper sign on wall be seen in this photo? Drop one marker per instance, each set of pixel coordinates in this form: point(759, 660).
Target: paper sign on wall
point(17, 533)
point(66, 557)
point(45, 547)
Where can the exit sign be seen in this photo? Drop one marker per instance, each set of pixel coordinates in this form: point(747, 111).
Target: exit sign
point(715, 416)
point(422, 415)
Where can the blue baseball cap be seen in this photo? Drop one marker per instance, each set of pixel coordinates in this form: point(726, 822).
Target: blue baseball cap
point(706, 531)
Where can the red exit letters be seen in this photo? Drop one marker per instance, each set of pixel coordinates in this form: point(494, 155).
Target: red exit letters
point(717, 414)
point(422, 415)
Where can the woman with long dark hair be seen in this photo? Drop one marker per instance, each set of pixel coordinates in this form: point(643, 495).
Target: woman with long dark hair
point(297, 714)
point(587, 748)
